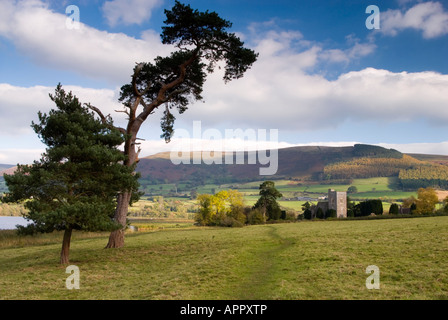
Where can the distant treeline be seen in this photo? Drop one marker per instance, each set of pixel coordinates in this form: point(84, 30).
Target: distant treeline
point(412, 173)
point(424, 176)
point(367, 167)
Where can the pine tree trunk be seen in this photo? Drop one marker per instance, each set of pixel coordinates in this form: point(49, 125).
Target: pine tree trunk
point(116, 238)
point(66, 246)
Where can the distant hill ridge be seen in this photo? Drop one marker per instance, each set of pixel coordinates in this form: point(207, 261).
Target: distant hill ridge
point(310, 162)
point(6, 168)
point(306, 162)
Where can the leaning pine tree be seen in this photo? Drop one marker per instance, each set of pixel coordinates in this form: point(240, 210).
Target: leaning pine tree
point(74, 186)
point(202, 42)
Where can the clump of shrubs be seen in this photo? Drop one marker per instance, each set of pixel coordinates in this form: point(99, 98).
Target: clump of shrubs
point(226, 208)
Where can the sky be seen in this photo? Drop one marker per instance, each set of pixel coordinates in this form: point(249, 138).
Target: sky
point(329, 72)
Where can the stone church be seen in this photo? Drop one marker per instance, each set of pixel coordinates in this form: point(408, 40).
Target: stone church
point(336, 200)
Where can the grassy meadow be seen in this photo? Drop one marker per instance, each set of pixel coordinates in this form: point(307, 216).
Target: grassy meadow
point(304, 260)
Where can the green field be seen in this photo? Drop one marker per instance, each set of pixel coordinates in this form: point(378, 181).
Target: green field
point(372, 188)
point(304, 260)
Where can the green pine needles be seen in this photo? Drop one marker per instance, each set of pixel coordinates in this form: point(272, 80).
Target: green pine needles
point(75, 184)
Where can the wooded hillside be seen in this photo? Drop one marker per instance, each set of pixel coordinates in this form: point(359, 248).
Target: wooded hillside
point(369, 167)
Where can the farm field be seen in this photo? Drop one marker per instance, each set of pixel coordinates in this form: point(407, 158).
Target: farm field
point(320, 260)
point(371, 188)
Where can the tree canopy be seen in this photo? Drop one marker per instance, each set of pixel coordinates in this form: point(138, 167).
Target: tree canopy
point(425, 203)
point(426, 200)
point(75, 183)
point(268, 200)
point(223, 208)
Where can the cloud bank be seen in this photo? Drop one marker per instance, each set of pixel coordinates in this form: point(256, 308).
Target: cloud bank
point(43, 36)
point(430, 18)
point(280, 92)
point(128, 12)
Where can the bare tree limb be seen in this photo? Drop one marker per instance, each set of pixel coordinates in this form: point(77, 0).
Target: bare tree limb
point(123, 111)
point(104, 118)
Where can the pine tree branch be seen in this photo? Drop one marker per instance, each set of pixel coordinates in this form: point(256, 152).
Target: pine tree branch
point(161, 96)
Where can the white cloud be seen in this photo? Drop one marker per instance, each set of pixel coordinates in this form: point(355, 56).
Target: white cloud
point(20, 156)
point(358, 50)
point(278, 92)
point(428, 17)
point(438, 148)
point(303, 54)
point(128, 12)
point(192, 144)
point(19, 105)
point(42, 35)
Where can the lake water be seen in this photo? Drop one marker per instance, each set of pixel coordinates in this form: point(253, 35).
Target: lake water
point(11, 222)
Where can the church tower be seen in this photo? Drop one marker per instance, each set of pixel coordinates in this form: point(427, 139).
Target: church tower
point(338, 202)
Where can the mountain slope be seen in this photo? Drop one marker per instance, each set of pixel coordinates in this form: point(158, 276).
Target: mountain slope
point(5, 166)
point(297, 162)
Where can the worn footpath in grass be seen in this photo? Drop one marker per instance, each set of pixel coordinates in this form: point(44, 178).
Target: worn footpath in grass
point(305, 260)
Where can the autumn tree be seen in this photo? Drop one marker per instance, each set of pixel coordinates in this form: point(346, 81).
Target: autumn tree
point(75, 184)
point(445, 205)
point(202, 41)
point(204, 214)
point(223, 208)
point(426, 200)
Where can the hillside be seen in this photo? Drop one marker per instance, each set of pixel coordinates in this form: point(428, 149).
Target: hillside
point(5, 167)
point(309, 163)
point(314, 163)
point(292, 162)
point(432, 158)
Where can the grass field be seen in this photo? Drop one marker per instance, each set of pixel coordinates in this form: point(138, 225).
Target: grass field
point(304, 260)
point(371, 188)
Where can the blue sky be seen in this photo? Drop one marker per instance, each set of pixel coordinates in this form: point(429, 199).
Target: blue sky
point(322, 77)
